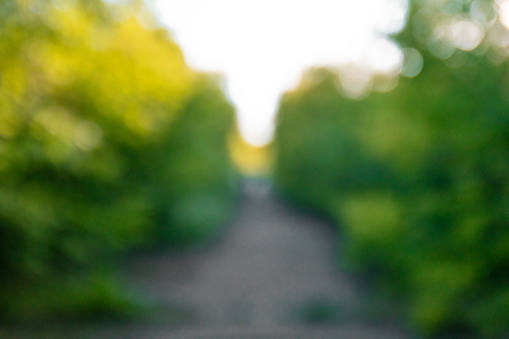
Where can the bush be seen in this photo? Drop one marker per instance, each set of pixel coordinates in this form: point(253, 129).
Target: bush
point(416, 179)
point(106, 139)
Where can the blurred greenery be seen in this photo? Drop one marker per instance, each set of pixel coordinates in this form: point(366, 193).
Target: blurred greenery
point(108, 142)
point(417, 178)
point(98, 296)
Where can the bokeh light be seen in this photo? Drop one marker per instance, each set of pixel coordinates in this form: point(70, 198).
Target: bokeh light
point(503, 9)
point(413, 63)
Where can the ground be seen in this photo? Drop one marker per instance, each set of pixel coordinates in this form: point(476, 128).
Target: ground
point(273, 273)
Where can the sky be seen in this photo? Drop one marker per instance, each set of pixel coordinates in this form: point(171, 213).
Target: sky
point(263, 46)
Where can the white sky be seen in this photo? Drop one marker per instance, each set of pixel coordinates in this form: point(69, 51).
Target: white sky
point(263, 46)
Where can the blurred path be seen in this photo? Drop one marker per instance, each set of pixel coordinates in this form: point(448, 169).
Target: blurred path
point(272, 275)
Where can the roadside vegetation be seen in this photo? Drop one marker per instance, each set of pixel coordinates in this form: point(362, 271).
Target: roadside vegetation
point(109, 142)
point(415, 177)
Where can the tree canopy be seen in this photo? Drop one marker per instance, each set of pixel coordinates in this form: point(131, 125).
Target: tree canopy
point(108, 141)
point(416, 178)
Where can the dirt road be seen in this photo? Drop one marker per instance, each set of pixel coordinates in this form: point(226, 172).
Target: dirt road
point(272, 274)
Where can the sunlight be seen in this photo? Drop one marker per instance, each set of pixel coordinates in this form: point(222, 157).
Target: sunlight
point(503, 9)
point(263, 46)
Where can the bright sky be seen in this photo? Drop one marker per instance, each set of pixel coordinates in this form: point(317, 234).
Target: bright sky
point(263, 46)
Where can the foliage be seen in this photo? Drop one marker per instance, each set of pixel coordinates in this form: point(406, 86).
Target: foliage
point(417, 179)
point(99, 296)
point(107, 139)
point(250, 160)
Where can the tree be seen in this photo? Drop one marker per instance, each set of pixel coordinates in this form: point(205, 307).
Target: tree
point(92, 109)
point(421, 195)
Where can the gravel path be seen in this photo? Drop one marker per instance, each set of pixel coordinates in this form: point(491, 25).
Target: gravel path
point(273, 274)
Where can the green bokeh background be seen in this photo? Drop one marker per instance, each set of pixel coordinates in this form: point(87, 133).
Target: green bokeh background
point(109, 142)
point(417, 178)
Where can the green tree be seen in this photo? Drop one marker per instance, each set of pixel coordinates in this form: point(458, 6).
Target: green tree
point(97, 115)
point(416, 178)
